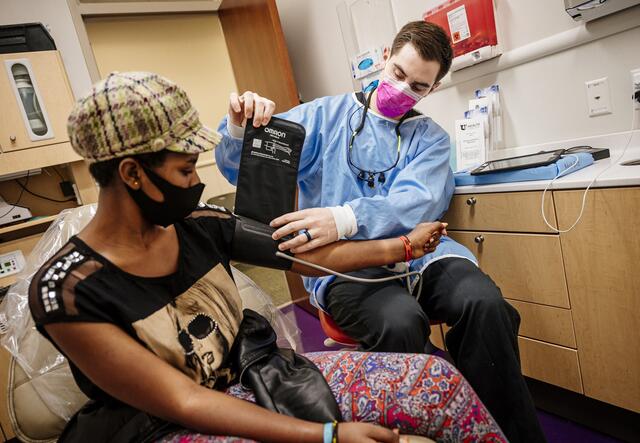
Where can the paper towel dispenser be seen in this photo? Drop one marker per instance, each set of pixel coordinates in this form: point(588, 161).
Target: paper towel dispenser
point(585, 10)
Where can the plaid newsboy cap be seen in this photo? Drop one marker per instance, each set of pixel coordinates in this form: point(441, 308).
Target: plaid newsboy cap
point(130, 113)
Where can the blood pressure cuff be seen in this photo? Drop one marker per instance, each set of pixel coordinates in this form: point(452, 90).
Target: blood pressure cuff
point(268, 170)
point(252, 244)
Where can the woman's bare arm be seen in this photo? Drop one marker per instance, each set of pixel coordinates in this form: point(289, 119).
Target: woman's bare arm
point(345, 256)
point(128, 371)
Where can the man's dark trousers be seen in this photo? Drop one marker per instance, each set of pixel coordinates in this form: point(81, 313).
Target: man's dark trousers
point(483, 339)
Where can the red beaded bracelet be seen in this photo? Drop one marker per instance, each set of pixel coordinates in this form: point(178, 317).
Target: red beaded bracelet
point(408, 250)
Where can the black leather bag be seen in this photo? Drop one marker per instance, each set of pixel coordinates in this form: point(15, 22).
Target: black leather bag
point(282, 381)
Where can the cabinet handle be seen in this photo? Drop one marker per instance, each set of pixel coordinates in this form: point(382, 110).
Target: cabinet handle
point(12, 138)
point(471, 201)
point(479, 239)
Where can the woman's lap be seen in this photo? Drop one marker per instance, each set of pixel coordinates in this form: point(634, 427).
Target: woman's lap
point(419, 394)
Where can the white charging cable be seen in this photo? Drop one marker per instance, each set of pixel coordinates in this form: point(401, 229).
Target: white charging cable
point(584, 196)
point(356, 279)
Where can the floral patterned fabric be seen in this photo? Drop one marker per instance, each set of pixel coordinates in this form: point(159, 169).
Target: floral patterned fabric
point(419, 394)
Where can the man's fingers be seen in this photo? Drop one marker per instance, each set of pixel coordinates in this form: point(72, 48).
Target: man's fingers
point(268, 112)
point(289, 228)
point(234, 102)
point(309, 245)
point(287, 218)
point(258, 112)
point(248, 104)
point(295, 242)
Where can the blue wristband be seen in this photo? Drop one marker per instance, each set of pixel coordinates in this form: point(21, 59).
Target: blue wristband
point(328, 433)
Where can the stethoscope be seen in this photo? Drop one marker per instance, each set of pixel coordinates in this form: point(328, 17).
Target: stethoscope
point(363, 174)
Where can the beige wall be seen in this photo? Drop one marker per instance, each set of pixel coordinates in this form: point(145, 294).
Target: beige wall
point(544, 100)
point(187, 48)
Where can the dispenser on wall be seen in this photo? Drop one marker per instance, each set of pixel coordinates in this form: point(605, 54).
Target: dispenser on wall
point(471, 26)
point(28, 100)
point(586, 10)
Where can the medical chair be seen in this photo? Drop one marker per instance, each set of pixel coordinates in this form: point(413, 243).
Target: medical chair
point(34, 414)
point(335, 335)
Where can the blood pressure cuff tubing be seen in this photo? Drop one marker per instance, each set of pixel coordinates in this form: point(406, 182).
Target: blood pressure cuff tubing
point(268, 170)
point(252, 244)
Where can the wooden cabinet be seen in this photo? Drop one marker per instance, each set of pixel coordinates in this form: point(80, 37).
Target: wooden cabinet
point(602, 262)
point(18, 151)
point(258, 50)
point(526, 267)
point(578, 293)
point(54, 98)
point(507, 212)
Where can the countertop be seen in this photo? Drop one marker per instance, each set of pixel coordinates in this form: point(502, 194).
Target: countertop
point(616, 176)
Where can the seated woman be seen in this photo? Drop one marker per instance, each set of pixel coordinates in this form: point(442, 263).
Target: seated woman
point(143, 304)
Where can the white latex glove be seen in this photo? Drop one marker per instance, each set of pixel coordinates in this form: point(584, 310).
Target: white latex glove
point(318, 221)
point(247, 105)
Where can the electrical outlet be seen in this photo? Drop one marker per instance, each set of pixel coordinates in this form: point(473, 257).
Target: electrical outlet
point(635, 88)
point(598, 97)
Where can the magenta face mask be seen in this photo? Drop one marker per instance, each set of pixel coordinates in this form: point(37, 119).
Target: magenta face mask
point(395, 98)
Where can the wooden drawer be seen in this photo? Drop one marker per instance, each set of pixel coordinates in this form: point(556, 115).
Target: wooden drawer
point(526, 267)
point(550, 363)
point(546, 323)
point(505, 211)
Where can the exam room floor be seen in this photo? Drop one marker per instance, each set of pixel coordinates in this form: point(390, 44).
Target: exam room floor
point(557, 429)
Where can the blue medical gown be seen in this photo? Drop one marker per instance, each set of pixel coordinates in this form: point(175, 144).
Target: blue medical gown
point(418, 189)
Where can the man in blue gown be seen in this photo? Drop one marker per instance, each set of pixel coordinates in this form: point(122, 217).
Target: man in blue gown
point(372, 167)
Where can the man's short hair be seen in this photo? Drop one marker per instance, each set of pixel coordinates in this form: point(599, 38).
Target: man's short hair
point(431, 42)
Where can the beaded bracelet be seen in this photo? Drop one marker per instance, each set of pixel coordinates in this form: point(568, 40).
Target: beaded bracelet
point(334, 438)
point(408, 249)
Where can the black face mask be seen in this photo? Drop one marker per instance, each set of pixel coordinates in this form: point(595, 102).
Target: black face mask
point(178, 202)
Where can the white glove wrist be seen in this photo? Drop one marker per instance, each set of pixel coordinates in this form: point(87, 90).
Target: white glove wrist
point(345, 220)
point(234, 130)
